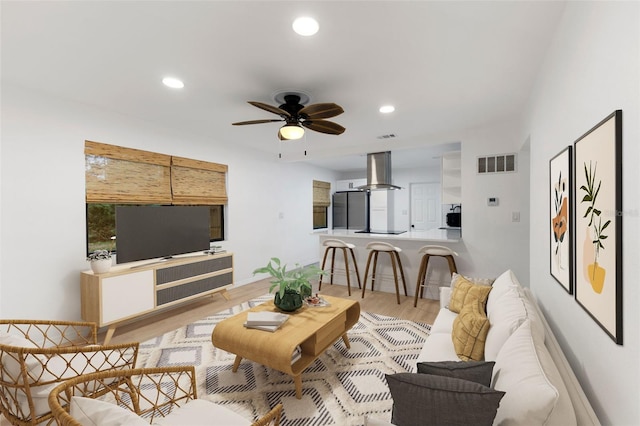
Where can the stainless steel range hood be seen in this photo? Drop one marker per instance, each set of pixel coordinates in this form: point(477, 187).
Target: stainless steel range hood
point(378, 172)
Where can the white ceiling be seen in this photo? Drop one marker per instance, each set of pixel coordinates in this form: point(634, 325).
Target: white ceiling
point(445, 65)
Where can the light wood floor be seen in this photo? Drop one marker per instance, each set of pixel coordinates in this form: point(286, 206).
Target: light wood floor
point(376, 302)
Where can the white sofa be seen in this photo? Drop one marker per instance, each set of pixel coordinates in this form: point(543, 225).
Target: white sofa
point(539, 386)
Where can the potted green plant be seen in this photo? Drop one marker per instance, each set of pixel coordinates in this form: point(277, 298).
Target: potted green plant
point(100, 261)
point(293, 286)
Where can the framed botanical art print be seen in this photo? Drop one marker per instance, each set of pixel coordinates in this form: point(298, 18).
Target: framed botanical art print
point(598, 223)
point(561, 219)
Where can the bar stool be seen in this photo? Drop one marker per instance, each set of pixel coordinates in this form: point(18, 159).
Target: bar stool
point(331, 246)
point(428, 252)
point(394, 254)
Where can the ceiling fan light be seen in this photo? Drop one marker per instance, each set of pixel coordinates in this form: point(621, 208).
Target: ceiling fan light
point(291, 132)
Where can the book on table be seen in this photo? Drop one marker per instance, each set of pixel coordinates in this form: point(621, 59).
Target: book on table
point(263, 327)
point(266, 318)
point(297, 354)
point(268, 321)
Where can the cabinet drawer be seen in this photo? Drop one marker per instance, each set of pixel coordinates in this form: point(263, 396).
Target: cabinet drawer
point(326, 335)
point(184, 291)
point(179, 272)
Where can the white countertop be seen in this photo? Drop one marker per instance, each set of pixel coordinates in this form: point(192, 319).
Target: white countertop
point(442, 235)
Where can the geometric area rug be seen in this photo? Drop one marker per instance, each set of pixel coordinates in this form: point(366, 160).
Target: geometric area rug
point(341, 387)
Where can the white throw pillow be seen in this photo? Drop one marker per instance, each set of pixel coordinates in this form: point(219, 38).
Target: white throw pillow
point(15, 340)
point(33, 363)
point(505, 317)
point(93, 412)
point(508, 306)
point(501, 285)
point(199, 412)
point(535, 392)
point(11, 365)
point(445, 297)
point(62, 366)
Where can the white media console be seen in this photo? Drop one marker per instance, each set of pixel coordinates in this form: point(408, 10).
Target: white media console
point(129, 291)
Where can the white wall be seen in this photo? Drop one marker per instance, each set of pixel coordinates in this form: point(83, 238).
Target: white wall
point(494, 242)
point(591, 69)
point(43, 205)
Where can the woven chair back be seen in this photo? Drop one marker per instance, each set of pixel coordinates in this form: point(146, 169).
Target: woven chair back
point(37, 355)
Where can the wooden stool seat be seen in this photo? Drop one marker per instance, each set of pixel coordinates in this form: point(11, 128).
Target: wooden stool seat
point(375, 248)
point(331, 246)
point(428, 252)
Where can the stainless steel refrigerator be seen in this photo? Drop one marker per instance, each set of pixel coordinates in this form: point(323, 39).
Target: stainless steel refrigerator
point(350, 209)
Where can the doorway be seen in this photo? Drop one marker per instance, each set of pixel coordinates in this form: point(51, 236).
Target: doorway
point(425, 206)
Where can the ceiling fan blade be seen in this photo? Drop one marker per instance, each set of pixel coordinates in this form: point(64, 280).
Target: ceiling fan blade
point(324, 126)
point(242, 123)
point(324, 110)
point(270, 108)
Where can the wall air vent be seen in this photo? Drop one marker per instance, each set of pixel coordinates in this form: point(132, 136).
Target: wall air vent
point(389, 136)
point(501, 163)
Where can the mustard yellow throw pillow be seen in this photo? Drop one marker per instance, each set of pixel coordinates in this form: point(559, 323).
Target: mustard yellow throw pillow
point(470, 330)
point(465, 292)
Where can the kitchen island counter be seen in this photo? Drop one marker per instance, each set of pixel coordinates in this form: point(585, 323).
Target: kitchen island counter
point(431, 235)
point(410, 243)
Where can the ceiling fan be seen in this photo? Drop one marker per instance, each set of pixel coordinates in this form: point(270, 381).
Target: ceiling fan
point(296, 116)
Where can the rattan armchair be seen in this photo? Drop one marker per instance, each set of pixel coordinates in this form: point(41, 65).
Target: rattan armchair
point(154, 395)
point(37, 355)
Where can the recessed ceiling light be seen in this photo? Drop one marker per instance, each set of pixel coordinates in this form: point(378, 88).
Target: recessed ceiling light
point(174, 83)
point(305, 26)
point(386, 109)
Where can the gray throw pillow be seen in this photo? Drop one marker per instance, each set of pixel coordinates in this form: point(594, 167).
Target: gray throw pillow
point(425, 399)
point(474, 371)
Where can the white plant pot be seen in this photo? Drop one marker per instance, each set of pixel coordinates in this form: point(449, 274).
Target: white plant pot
point(100, 266)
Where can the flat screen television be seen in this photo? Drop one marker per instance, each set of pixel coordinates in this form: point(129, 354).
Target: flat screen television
point(150, 232)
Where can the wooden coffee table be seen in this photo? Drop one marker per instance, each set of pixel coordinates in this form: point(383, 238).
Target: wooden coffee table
point(314, 329)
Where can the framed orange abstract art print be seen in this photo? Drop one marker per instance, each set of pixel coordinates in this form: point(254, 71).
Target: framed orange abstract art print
point(561, 219)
